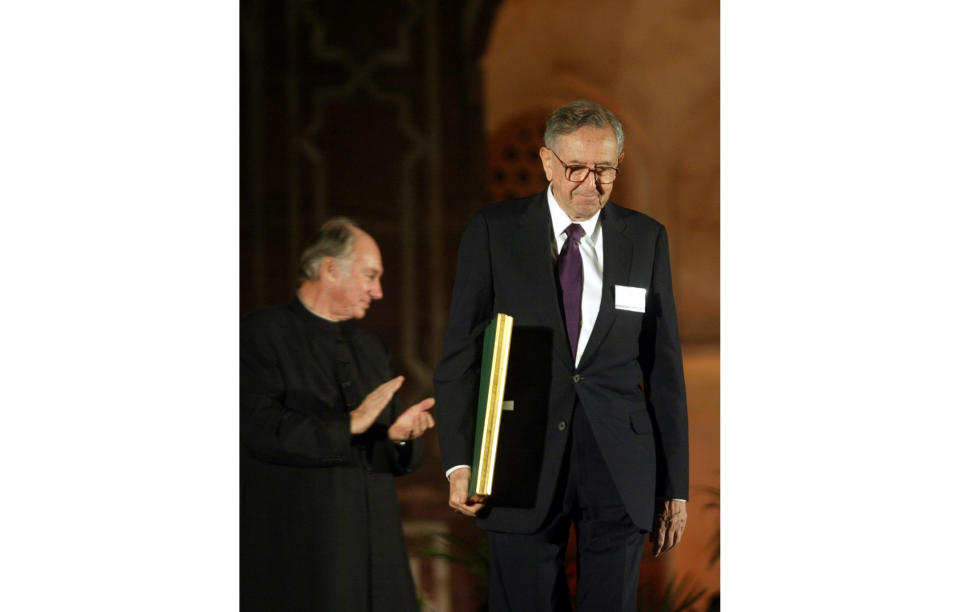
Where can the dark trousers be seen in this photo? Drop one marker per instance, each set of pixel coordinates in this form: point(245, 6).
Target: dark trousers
point(527, 570)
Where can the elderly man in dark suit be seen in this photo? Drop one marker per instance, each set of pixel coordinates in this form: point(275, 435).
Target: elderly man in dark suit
point(594, 278)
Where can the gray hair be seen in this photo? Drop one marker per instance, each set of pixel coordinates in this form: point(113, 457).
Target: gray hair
point(573, 116)
point(335, 239)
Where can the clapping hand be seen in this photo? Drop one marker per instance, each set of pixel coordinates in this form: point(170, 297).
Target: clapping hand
point(414, 421)
point(363, 416)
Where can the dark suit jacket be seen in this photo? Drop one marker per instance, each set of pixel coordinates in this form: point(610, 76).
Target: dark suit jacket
point(630, 378)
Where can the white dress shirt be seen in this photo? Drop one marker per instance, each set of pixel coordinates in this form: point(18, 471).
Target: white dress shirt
point(591, 251)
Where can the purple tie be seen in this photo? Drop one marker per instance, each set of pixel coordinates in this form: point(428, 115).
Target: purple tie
point(570, 270)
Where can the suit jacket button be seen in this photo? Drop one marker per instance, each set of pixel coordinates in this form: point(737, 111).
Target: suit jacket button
point(562, 425)
point(576, 378)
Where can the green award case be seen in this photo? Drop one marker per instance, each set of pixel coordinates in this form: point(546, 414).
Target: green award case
point(493, 380)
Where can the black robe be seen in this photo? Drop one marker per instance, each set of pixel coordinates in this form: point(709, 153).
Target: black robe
point(319, 521)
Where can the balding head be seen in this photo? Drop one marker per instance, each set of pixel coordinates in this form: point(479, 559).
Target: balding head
point(341, 270)
point(335, 239)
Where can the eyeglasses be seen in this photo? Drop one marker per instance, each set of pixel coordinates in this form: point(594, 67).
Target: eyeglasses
point(577, 173)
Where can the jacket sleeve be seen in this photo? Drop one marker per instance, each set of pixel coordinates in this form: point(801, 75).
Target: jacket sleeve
point(662, 364)
point(383, 455)
point(457, 375)
point(280, 426)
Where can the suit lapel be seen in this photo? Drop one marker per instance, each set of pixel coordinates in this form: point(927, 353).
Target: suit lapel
point(617, 255)
point(533, 245)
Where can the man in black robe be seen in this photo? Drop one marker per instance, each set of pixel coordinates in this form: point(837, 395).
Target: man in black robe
point(321, 442)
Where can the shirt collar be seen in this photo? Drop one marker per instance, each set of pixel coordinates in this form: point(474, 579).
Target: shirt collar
point(561, 221)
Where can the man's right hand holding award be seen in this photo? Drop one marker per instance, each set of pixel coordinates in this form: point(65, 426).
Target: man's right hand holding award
point(459, 488)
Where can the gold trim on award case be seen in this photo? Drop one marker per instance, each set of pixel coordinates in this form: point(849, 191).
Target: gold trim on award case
point(490, 405)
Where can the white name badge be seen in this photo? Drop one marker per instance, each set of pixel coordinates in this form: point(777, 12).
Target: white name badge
point(630, 298)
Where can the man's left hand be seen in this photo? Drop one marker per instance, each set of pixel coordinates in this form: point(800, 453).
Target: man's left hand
point(413, 422)
point(671, 520)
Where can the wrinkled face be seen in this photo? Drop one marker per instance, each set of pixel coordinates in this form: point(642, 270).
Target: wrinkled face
point(587, 146)
point(359, 284)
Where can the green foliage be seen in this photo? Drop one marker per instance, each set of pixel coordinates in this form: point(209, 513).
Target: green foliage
point(677, 597)
point(472, 555)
